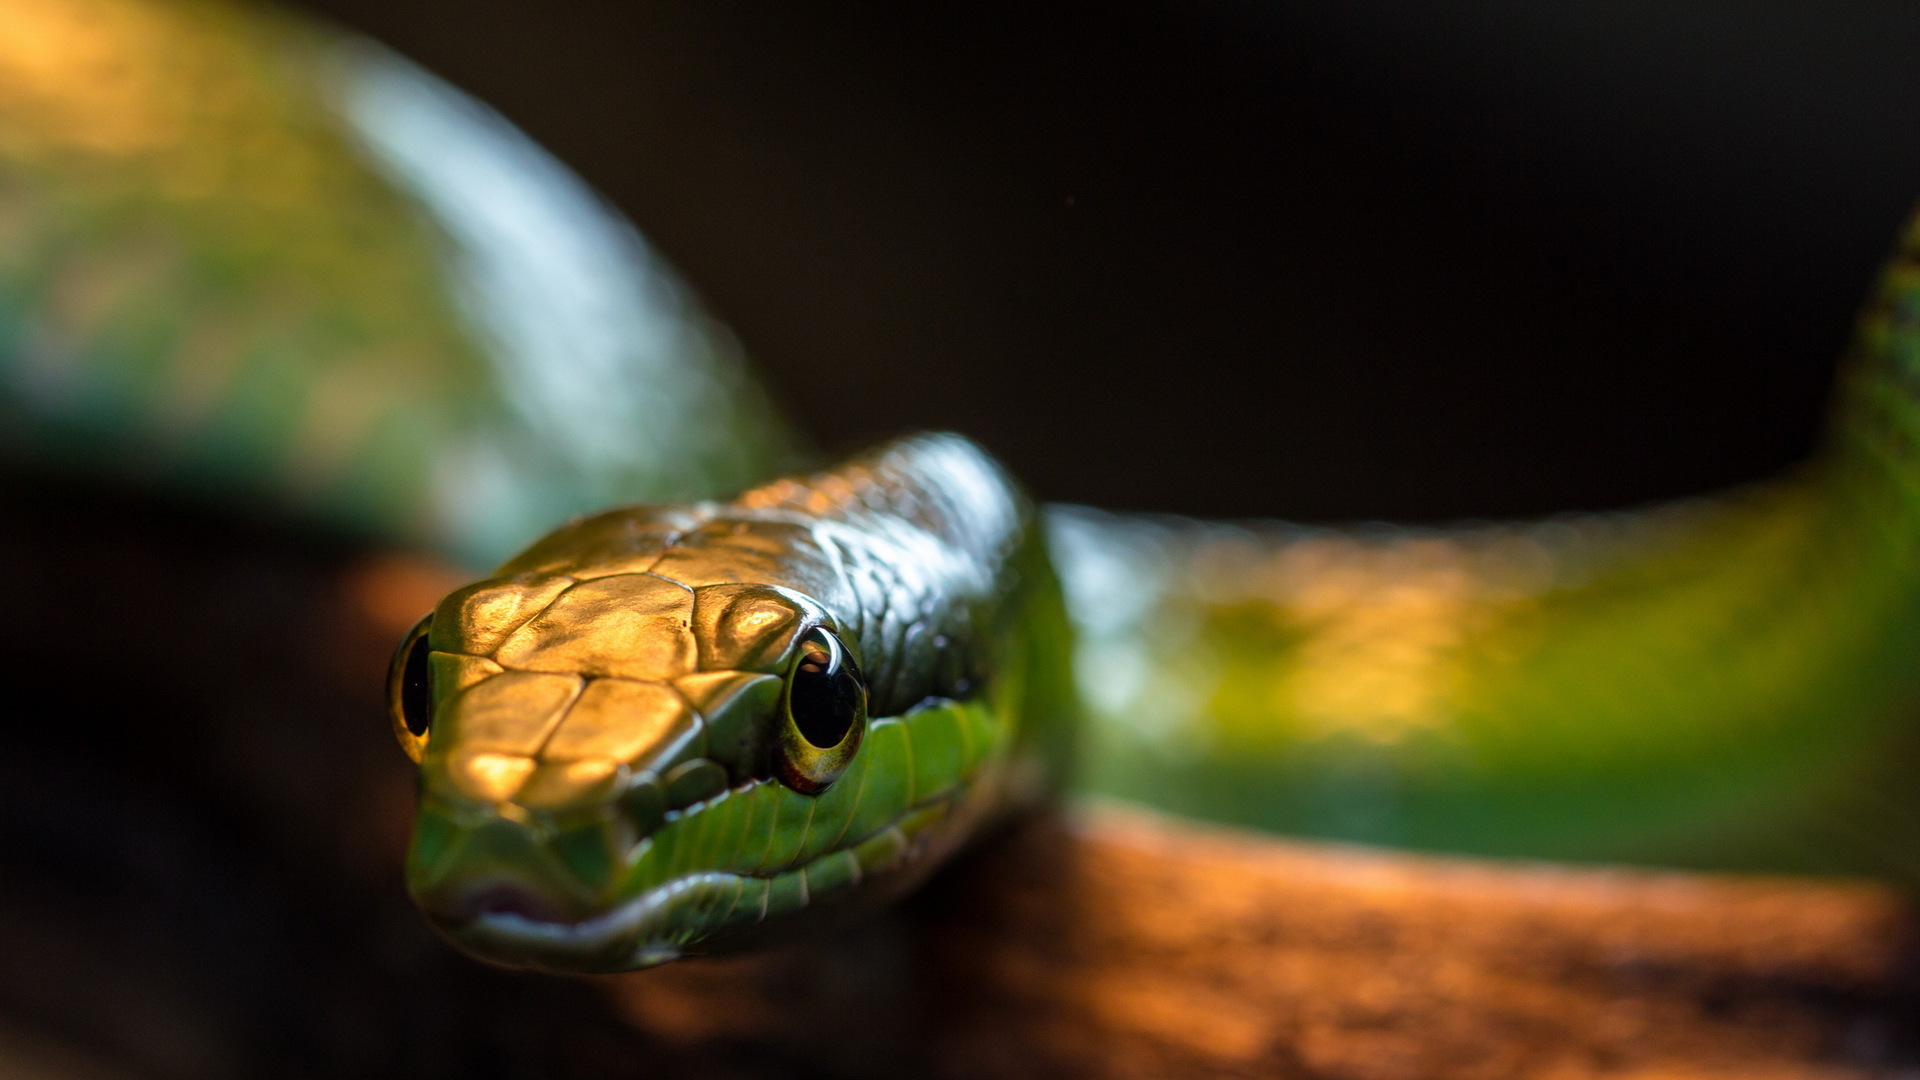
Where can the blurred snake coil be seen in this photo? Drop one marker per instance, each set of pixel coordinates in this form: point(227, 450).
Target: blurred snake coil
point(245, 257)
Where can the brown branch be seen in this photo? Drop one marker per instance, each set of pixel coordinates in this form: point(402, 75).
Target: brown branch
point(1124, 945)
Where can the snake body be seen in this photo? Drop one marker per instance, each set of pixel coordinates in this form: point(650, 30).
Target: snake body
point(246, 257)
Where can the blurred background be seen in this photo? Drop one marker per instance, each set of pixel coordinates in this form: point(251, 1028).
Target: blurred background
point(1324, 259)
point(1321, 259)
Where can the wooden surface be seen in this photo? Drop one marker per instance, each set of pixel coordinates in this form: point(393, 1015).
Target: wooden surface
point(1123, 945)
point(201, 828)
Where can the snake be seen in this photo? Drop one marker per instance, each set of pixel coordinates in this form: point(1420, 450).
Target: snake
point(704, 691)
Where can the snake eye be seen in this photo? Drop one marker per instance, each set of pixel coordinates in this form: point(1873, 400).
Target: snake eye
point(826, 713)
point(410, 691)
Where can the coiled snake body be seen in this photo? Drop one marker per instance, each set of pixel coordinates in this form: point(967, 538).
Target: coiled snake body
point(247, 257)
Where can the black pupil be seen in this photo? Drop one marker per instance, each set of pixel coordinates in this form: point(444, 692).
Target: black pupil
point(825, 696)
point(416, 694)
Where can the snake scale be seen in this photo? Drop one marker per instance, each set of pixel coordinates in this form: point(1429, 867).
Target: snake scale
point(244, 257)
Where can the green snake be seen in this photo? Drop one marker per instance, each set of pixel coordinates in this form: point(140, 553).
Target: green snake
point(249, 258)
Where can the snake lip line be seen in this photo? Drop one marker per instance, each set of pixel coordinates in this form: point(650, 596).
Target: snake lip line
point(524, 931)
point(523, 934)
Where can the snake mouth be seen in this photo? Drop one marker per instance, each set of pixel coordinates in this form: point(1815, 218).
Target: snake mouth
point(695, 914)
point(748, 864)
point(502, 891)
point(510, 922)
point(514, 927)
point(495, 900)
point(515, 923)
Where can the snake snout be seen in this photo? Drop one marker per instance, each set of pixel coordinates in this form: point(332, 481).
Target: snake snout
point(469, 865)
point(478, 900)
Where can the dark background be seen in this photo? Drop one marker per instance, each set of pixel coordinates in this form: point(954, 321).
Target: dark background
point(1325, 258)
point(1315, 258)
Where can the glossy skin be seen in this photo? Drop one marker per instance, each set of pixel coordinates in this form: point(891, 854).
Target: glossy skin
point(611, 777)
point(1726, 682)
point(243, 256)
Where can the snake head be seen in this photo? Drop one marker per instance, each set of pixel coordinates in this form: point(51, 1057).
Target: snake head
point(624, 760)
point(569, 719)
point(667, 731)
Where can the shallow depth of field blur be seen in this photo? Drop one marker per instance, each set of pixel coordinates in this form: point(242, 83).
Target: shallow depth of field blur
point(1322, 260)
point(1327, 260)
